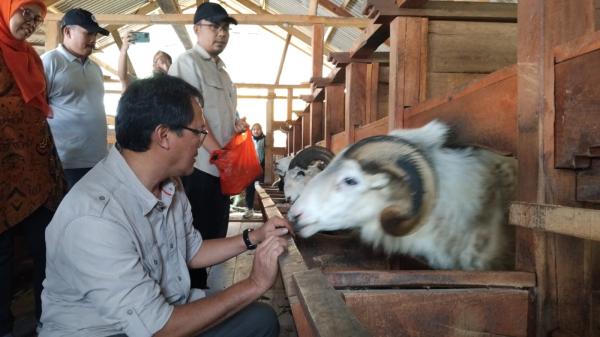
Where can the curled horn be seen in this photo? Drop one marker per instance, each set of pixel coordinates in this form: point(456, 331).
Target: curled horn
point(413, 186)
point(311, 154)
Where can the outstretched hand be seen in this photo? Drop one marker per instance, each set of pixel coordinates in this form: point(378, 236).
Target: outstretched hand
point(265, 266)
point(273, 227)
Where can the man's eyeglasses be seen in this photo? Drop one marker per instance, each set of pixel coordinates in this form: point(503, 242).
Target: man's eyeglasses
point(215, 28)
point(29, 15)
point(198, 132)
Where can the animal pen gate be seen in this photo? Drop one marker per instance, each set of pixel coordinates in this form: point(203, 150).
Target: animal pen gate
point(543, 109)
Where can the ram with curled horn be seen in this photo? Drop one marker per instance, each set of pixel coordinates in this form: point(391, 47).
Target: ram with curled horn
point(303, 167)
point(410, 194)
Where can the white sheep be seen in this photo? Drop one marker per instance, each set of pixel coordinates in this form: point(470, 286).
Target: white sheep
point(296, 179)
point(409, 194)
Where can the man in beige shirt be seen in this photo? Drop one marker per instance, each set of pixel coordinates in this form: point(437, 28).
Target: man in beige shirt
point(202, 67)
point(120, 243)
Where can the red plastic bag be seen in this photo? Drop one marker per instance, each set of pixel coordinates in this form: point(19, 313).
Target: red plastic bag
point(237, 163)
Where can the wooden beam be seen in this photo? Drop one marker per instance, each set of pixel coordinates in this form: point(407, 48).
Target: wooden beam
point(339, 11)
point(51, 2)
point(283, 55)
point(271, 86)
point(449, 10)
point(243, 19)
point(317, 50)
point(268, 174)
point(104, 65)
point(341, 59)
point(295, 32)
point(52, 35)
point(312, 7)
point(577, 222)
point(172, 7)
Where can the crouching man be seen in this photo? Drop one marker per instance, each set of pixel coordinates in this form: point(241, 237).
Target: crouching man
point(120, 243)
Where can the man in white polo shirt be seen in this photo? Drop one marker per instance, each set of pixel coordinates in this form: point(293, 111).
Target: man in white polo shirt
point(76, 94)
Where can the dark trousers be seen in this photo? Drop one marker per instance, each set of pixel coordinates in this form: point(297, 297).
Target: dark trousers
point(210, 209)
point(251, 191)
point(72, 176)
point(255, 320)
point(33, 228)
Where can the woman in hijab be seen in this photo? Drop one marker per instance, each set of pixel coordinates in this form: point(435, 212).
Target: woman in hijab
point(259, 144)
point(30, 173)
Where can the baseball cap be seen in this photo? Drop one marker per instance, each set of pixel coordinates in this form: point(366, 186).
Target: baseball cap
point(83, 18)
point(212, 12)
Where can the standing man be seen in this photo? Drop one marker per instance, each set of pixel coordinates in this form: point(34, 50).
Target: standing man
point(202, 68)
point(76, 95)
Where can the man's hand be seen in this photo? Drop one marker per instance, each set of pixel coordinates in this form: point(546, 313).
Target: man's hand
point(241, 125)
point(265, 266)
point(127, 40)
point(273, 227)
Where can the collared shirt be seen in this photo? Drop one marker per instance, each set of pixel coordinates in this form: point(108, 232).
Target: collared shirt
point(196, 67)
point(76, 95)
point(117, 255)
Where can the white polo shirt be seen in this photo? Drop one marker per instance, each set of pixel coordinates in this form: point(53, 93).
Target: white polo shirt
point(76, 95)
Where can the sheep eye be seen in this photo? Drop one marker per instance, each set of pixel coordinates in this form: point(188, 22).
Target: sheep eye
point(350, 181)
point(300, 173)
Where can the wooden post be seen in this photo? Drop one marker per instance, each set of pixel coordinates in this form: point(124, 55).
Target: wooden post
point(333, 113)
point(290, 107)
point(562, 264)
point(317, 49)
point(316, 122)
point(306, 128)
point(408, 60)
point(355, 100)
point(269, 140)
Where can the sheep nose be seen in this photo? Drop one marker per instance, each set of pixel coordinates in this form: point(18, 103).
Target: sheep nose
point(294, 218)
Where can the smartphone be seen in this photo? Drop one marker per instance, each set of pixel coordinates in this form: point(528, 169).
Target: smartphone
point(141, 37)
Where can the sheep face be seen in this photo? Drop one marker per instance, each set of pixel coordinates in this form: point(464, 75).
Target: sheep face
point(296, 179)
point(380, 181)
point(335, 199)
point(281, 165)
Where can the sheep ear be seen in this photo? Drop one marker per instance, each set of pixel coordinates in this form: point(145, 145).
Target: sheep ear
point(379, 181)
point(396, 222)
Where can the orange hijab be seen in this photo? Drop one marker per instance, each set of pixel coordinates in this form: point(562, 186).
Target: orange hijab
point(21, 59)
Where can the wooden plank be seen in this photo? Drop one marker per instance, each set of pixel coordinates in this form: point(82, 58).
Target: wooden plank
point(577, 222)
point(471, 47)
point(341, 59)
point(435, 312)
point(306, 129)
point(443, 84)
point(268, 172)
point(288, 38)
point(452, 10)
point(172, 7)
point(371, 38)
point(397, 73)
point(430, 279)
point(316, 122)
point(317, 50)
point(338, 142)
point(544, 25)
point(355, 102)
point(484, 113)
point(577, 118)
point(577, 47)
point(53, 34)
point(379, 127)
point(333, 112)
point(371, 96)
point(326, 311)
point(242, 19)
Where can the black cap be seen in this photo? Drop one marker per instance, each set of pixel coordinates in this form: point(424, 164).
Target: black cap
point(212, 12)
point(83, 18)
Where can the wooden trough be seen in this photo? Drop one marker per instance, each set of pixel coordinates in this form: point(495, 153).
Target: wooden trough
point(337, 287)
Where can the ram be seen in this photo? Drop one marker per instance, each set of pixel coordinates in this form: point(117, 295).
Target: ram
point(303, 167)
point(410, 194)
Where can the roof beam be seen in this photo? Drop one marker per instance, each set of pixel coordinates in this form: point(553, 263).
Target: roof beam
point(172, 7)
point(283, 55)
point(271, 86)
point(244, 19)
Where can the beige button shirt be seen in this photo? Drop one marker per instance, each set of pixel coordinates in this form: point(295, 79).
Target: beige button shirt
point(117, 255)
point(196, 67)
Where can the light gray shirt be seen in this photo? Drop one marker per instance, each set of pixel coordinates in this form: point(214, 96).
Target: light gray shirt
point(117, 255)
point(196, 67)
point(76, 95)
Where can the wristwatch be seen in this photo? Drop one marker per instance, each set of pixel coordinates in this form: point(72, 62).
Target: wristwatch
point(246, 238)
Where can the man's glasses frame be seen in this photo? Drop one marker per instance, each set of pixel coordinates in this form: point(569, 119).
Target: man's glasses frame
point(198, 132)
point(215, 28)
point(28, 15)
